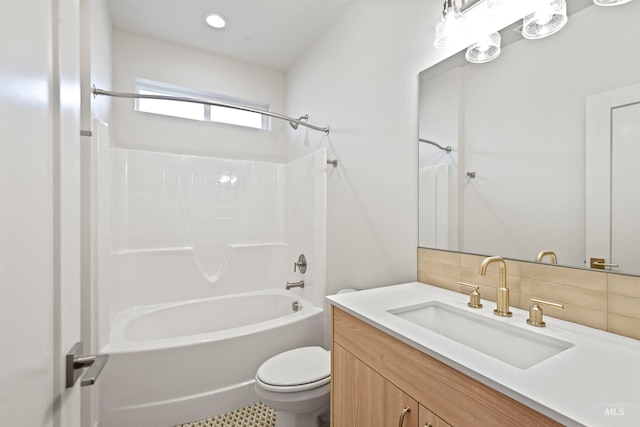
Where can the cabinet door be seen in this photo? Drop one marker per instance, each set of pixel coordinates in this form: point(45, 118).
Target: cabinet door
point(363, 398)
point(429, 419)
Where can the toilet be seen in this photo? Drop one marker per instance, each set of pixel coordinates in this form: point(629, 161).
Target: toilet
point(296, 384)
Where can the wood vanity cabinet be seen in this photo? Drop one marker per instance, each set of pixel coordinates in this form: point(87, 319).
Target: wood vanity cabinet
point(429, 419)
point(375, 376)
point(369, 399)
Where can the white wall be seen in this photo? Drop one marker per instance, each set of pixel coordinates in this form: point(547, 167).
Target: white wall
point(305, 219)
point(139, 57)
point(361, 79)
point(99, 59)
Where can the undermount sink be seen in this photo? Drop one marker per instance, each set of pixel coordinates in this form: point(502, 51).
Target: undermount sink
point(510, 344)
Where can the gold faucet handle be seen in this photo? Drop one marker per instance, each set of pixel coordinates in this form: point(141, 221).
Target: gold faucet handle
point(474, 296)
point(535, 311)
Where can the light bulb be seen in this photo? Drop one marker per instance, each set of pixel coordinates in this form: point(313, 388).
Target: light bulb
point(548, 19)
point(485, 49)
point(543, 16)
point(450, 27)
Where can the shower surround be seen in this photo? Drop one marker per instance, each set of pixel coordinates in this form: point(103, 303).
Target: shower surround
point(171, 228)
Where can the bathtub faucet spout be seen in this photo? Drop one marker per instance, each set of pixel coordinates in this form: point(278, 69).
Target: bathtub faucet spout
point(299, 284)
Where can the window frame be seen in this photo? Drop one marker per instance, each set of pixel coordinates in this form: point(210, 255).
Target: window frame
point(180, 91)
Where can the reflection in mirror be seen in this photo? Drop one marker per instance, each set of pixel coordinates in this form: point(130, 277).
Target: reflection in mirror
point(552, 257)
point(518, 125)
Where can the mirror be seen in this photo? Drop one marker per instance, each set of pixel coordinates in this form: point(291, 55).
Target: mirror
point(515, 182)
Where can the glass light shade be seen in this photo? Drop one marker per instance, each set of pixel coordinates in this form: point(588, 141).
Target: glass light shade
point(450, 28)
point(610, 2)
point(548, 19)
point(484, 50)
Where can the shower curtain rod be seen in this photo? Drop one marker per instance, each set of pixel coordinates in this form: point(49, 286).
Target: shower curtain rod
point(292, 122)
point(447, 148)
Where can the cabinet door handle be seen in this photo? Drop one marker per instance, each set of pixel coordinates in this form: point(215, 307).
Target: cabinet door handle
point(404, 414)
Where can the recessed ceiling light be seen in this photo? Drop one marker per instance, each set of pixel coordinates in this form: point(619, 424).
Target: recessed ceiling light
point(216, 21)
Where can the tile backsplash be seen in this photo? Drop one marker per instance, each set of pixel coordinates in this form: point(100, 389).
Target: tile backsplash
point(601, 300)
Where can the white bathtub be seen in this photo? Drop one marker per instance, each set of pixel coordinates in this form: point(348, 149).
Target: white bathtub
point(179, 362)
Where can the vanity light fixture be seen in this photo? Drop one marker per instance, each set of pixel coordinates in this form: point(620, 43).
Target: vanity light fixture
point(450, 27)
point(488, 47)
point(485, 49)
point(549, 18)
point(474, 23)
point(216, 21)
point(610, 2)
point(456, 29)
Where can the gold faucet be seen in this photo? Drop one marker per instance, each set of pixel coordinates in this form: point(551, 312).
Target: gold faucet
point(552, 256)
point(502, 295)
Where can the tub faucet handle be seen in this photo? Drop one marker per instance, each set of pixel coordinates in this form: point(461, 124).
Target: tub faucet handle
point(301, 264)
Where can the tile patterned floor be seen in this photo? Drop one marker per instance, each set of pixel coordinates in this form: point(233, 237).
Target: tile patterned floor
point(258, 415)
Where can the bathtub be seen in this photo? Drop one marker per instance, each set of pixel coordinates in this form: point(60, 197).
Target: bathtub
point(179, 362)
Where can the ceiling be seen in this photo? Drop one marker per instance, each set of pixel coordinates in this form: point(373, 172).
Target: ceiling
point(269, 33)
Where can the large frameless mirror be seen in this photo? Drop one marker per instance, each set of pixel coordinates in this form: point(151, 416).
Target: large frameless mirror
point(526, 173)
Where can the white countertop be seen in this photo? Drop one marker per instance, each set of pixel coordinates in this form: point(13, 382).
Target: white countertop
point(594, 383)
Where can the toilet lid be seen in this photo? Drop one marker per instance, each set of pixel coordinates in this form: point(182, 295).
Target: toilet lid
point(300, 366)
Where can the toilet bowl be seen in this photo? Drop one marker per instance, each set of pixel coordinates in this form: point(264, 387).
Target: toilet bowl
point(296, 384)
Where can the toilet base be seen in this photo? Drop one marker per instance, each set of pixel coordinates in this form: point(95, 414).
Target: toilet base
point(297, 399)
point(289, 419)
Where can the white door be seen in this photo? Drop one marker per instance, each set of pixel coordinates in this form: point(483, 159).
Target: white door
point(613, 198)
point(625, 193)
point(39, 211)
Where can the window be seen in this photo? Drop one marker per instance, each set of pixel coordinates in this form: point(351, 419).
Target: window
point(194, 111)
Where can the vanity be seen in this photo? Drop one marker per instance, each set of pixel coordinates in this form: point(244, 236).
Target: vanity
point(418, 355)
